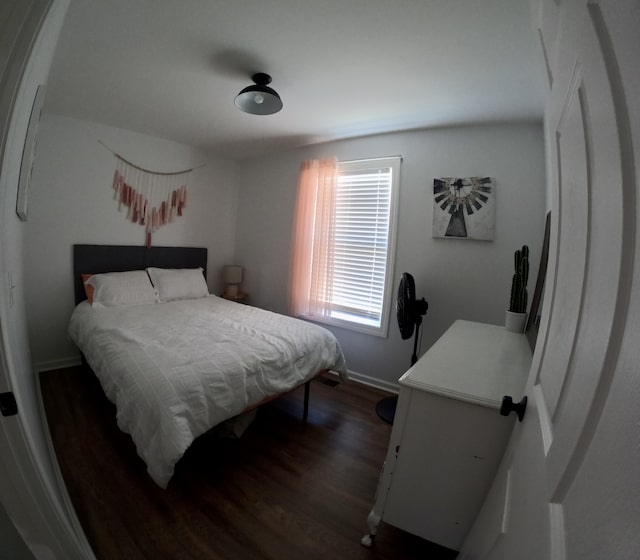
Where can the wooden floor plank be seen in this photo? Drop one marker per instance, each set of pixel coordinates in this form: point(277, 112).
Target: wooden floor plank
point(286, 489)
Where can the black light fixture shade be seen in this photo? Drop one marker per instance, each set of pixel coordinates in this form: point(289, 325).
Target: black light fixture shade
point(259, 99)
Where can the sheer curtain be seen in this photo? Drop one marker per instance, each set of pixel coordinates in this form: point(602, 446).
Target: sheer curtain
point(314, 238)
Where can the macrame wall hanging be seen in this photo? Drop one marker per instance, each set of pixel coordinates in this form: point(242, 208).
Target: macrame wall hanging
point(152, 198)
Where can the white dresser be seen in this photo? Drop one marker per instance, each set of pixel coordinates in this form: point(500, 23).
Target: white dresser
point(448, 436)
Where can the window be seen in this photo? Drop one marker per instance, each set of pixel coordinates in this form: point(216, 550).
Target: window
point(352, 245)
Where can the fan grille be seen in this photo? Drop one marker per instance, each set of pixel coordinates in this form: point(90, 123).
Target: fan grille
point(405, 305)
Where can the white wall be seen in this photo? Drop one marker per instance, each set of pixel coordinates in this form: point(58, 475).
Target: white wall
point(71, 201)
point(460, 279)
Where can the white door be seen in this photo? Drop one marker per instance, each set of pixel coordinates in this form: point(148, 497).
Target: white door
point(33, 502)
point(568, 486)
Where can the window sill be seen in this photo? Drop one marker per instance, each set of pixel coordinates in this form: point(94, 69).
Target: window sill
point(380, 332)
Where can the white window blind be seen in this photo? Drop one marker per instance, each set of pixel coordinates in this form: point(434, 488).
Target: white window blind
point(364, 242)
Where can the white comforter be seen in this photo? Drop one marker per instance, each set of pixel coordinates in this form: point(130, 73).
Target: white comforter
point(176, 369)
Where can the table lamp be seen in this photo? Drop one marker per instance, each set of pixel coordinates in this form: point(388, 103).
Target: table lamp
point(232, 275)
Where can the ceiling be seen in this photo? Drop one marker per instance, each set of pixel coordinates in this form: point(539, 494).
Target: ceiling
point(344, 68)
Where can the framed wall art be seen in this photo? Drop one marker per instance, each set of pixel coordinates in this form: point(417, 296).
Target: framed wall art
point(535, 313)
point(464, 208)
point(28, 155)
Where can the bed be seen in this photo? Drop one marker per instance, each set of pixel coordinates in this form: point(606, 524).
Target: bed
point(178, 368)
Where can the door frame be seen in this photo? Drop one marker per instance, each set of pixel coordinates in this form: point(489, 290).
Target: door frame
point(40, 512)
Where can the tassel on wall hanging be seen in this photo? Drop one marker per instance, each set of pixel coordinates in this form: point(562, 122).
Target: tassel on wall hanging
point(152, 198)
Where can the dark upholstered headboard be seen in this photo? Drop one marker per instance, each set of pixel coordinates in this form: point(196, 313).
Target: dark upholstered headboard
point(94, 259)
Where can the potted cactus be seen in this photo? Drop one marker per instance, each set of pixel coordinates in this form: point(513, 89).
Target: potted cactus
point(516, 316)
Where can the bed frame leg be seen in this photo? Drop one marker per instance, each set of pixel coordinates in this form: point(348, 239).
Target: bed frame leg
point(305, 412)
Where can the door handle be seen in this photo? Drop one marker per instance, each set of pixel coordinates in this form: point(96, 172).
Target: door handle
point(508, 406)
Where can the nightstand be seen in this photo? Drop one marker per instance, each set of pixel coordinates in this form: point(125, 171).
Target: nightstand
point(242, 297)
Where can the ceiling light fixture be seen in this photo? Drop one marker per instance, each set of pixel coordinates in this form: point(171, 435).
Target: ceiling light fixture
point(259, 99)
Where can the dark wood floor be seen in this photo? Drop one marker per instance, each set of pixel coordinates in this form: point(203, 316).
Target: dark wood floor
point(285, 490)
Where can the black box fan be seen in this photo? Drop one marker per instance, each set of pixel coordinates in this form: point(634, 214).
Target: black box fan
point(409, 311)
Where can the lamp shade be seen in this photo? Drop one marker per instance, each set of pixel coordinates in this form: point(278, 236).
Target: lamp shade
point(259, 99)
point(232, 274)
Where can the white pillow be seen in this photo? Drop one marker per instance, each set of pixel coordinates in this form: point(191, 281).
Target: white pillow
point(122, 288)
point(178, 283)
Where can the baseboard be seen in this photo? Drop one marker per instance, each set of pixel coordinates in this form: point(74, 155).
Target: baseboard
point(374, 382)
point(60, 363)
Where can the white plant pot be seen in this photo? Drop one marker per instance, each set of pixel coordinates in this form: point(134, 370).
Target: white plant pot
point(515, 322)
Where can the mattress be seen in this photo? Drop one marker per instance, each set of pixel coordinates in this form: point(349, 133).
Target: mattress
point(174, 370)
